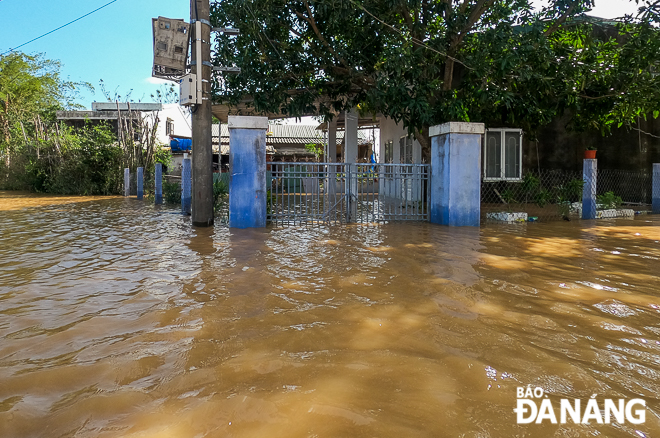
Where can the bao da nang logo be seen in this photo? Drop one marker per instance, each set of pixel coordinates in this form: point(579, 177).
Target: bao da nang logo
point(533, 406)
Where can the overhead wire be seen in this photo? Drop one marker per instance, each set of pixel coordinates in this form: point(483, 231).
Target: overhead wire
point(55, 30)
point(413, 39)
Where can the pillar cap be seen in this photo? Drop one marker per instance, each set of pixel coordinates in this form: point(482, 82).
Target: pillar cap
point(247, 122)
point(457, 128)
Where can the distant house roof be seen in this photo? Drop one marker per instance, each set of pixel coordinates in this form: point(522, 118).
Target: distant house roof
point(124, 106)
point(108, 111)
point(292, 134)
point(286, 139)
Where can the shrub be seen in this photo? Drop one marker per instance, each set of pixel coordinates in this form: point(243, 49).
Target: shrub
point(171, 192)
point(608, 200)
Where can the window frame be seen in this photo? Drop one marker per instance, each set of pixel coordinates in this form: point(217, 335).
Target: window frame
point(406, 145)
point(389, 152)
point(503, 132)
point(169, 126)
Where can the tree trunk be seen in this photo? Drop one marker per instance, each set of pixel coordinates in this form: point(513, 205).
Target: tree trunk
point(449, 74)
point(5, 121)
point(425, 142)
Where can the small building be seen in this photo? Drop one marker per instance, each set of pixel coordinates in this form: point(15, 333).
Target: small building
point(172, 119)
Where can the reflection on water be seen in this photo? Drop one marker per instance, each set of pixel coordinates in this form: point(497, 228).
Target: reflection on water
point(117, 319)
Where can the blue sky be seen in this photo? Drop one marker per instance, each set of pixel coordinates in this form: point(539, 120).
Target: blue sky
point(115, 43)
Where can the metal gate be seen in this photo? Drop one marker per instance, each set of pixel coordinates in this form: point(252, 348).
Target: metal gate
point(335, 193)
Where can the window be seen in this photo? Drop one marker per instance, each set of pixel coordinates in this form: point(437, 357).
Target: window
point(389, 151)
point(502, 159)
point(406, 146)
point(169, 126)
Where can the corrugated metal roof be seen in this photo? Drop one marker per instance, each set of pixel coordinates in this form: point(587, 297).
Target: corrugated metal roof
point(292, 134)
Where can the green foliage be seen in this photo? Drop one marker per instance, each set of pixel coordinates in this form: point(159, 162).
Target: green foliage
point(530, 184)
point(564, 208)
point(84, 162)
point(543, 197)
point(571, 191)
point(163, 156)
point(30, 86)
point(424, 63)
point(171, 192)
point(314, 148)
point(220, 195)
point(508, 196)
point(608, 200)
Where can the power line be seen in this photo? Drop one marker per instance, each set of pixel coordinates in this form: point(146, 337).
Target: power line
point(54, 30)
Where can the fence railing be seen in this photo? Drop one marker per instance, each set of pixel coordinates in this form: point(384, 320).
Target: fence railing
point(557, 194)
point(343, 193)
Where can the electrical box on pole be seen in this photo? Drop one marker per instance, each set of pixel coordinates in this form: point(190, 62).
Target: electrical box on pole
point(188, 90)
point(171, 41)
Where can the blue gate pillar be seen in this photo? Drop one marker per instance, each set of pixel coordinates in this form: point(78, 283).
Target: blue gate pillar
point(158, 183)
point(140, 183)
point(247, 171)
point(127, 182)
point(456, 173)
point(186, 185)
point(656, 188)
point(589, 176)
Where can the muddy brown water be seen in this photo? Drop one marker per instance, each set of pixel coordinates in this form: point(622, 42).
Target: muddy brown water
point(118, 319)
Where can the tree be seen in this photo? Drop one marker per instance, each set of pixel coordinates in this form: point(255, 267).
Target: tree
point(30, 86)
point(425, 62)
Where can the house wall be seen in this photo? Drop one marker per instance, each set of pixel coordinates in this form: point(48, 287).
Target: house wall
point(623, 149)
point(390, 130)
point(181, 119)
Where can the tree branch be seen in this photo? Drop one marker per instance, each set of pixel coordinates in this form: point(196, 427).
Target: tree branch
point(475, 14)
point(320, 36)
point(599, 97)
point(406, 15)
point(557, 24)
point(463, 6)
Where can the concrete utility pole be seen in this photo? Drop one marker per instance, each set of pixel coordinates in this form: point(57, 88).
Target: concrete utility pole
point(202, 152)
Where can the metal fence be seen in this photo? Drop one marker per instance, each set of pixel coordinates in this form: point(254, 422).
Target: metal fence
point(148, 183)
point(557, 194)
point(308, 193)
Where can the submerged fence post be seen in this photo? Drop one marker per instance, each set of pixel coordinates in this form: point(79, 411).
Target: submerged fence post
point(456, 174)
point(590, 176)
point(158, 183)
point(140, 183)
point(351, 192)
point(655, 201)
point(127, 182)
point(247, 171)
point(186, 184)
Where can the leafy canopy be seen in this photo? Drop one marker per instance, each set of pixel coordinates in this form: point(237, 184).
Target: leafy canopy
point(425, 62)
point(31, 85)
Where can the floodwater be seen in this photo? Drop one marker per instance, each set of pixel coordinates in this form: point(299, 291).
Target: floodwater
point(117, 319)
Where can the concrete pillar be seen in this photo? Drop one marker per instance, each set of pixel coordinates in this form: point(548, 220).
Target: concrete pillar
point(331, 182)
point(589, 175)
point(158, 183)
point(332, 141)
point(456, 173)
point(140, 183)
point(656, 188)
point(350, 136)
point(186, 185)
point(127, 182)
point(247, 171)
